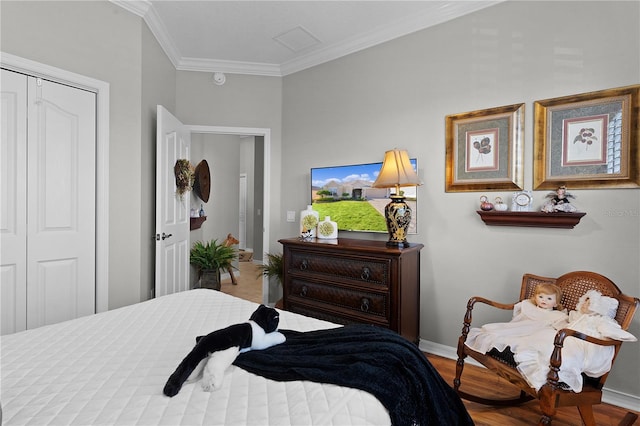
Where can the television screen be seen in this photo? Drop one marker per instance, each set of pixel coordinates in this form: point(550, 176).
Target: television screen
point(345, 194)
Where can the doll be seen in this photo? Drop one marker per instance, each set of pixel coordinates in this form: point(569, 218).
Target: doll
point(594, 317)
point(559, 201)
point(542, 311)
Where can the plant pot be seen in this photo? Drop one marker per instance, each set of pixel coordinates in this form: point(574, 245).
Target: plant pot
point(210, 278)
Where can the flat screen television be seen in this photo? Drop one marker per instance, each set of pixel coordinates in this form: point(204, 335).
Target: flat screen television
point(345, 194)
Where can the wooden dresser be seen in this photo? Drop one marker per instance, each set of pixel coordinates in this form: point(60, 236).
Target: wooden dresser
point(354, 281)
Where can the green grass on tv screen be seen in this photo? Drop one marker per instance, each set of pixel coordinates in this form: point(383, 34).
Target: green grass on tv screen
point(352, 215)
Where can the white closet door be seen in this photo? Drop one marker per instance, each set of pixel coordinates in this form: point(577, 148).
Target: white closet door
point(61, 203)
point(13, 207)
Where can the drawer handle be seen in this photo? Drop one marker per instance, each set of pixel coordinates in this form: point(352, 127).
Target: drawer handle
point(364, 304)
point(366, 273)
point(304, 265)
point(303, 291)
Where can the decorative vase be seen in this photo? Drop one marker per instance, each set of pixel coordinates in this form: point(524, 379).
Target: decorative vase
point(485, 205)
point(327, 229)
point(499, 205)
point(210, 278)
point(308, 222)
point(398, 215)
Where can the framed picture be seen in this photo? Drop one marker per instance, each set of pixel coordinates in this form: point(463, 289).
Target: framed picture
point(588, 140)
point(484, 149)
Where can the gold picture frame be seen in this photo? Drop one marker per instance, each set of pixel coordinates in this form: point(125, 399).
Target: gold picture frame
point(484, 149)
point(588, 140)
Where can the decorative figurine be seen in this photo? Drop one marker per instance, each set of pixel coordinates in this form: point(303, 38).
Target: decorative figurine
point(485, 205)
point(499, 205)
point(559, 201)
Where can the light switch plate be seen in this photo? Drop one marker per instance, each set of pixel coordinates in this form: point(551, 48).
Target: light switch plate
point(291, 216)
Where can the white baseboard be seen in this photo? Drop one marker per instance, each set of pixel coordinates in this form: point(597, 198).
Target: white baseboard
point(609, 396)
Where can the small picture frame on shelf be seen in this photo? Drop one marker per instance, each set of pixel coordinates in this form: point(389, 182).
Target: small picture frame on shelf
point(522, 201)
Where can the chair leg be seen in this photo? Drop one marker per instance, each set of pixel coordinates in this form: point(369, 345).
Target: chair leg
point(459, 367)
point(547, 405)
point(233, 277)
point(629, 419)
point(544, 421)
point(586, 413)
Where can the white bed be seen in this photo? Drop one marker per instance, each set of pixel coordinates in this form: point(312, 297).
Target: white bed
point(110, 369)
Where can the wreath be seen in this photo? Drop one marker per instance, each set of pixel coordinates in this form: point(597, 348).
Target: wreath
point(185, 176)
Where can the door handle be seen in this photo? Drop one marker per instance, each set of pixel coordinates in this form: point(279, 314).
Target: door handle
point(165, 236)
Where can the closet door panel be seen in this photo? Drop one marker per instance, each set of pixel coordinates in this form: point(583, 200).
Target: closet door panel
point(61, 214)
point(13, 211)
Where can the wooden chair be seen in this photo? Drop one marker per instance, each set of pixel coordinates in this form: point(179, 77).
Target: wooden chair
point(551, 395)
point(228, 242)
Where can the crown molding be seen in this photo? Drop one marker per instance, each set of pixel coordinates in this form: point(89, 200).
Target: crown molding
point(137, 7)
point(145, 10)
point(229, 67)
point(417, 22)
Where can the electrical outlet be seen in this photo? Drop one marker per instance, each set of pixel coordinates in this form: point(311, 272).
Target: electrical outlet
point(291, 216)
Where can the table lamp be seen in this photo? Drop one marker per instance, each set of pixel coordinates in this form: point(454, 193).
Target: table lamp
point(397, 171)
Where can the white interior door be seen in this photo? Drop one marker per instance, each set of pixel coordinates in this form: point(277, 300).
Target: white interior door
point(13, 213)
point(48, 202)
point(61, 188)
point(173, 141)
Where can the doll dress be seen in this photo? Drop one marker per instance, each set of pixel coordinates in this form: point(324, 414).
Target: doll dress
point(527, 321)
point(578, 356)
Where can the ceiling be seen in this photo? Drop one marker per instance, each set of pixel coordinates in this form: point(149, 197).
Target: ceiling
point(277, 38)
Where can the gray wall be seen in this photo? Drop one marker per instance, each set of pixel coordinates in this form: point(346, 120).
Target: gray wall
point(158, 88)
point(222, 152)
point(397, 95)
point(243, 101)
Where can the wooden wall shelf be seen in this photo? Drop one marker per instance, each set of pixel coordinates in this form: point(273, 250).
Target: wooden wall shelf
point(531, 219)
point(196, 222)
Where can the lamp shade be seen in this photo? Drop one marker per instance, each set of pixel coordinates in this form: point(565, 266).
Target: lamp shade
point(396, 171)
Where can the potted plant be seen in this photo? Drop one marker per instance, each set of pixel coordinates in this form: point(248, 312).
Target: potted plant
point(273, 268)
point(210, 258)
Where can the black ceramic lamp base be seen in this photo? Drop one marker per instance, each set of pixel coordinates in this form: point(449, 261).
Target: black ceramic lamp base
point(398, 215)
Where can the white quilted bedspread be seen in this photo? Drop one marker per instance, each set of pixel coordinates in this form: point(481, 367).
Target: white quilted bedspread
point(110, 368)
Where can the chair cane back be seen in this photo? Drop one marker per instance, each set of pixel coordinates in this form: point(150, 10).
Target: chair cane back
point(552, 394)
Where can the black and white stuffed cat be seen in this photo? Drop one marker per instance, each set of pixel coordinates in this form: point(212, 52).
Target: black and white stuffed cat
point(219, 349)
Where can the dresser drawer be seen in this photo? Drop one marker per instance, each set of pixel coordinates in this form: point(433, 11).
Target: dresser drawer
point(354, 281)
point(349, 301)
point(366, 270)
point(314, 312)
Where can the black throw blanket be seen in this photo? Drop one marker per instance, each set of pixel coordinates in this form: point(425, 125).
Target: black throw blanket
point(368, 358)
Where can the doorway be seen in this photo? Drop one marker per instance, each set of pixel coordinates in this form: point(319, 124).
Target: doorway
point(262, 173)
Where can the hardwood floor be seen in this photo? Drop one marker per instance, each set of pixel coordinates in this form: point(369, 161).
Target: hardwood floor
point(249, 285)
point(479, 381)
point(475, 379)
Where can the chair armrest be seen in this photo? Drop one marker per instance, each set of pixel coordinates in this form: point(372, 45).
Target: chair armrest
point(555, 362)
point(468, 317)
point(562, 334)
